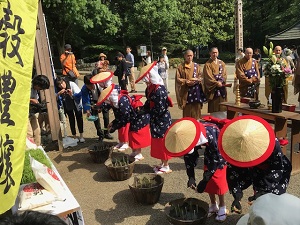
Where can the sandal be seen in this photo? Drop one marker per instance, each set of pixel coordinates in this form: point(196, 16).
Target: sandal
point(213, 209)
point(221, 218)
point(164, 170)
point(138, 157)
point(157, 168)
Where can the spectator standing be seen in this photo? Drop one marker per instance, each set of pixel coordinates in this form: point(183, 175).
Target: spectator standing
point(147, 60)
point(288, 57)
point(164, 53)
point(90, 94)
point(102, 64)
point(40, 82)
point(130, 66)
point(294, 55)
point(257, 56)
point(68, 64)
point(70, 94)
point(162, 69)
point(121, 71)
point(240, 54)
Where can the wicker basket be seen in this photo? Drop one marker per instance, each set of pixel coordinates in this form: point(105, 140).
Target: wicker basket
point(100, 153)
point(146, 188)
point(187, 211)
point(122, 171)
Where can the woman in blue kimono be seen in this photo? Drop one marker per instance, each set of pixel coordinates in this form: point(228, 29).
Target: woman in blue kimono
point(156, 105)
point(253, 160)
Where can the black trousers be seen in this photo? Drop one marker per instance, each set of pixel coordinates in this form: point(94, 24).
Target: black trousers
point(97, 124)
point(105, 118)
point(123, 83)
point(71, 115)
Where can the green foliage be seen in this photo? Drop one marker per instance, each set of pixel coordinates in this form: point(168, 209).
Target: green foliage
point(109, 26)
point(37, 154)
point(175, 62)
point(227, 56)
point(263, 18)
point(66, 17)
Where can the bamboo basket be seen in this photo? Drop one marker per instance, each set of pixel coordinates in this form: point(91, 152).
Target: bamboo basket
point(146, 188)
point(122, 170)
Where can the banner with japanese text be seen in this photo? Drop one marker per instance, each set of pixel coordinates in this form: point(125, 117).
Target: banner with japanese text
point(18, 20)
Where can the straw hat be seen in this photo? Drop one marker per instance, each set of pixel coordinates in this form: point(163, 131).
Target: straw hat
point(145, 70)
point(105, 94)
point(182, 136)
point(246, 141)
point(102, 55)
point(101, 77)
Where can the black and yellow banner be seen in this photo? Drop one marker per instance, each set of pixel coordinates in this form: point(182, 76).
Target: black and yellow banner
point(17, 35)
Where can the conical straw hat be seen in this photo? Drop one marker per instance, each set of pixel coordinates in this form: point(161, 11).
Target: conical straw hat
point(182, 136)
point(101, 77)
point(145, 70)
point(246, 141)
point(105, 94)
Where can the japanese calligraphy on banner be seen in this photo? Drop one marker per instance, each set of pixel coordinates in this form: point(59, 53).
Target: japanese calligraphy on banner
point(17, 35)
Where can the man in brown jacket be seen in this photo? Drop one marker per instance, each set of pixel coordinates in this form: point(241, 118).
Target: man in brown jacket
point(214, 77)
point(189, 87)
point(247, 72)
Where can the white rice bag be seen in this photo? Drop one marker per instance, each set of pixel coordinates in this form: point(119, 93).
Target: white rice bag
point(34, 195)
point(48, 179)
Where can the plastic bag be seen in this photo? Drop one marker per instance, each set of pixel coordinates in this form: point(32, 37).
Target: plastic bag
point(48, 179)
point(34, 195)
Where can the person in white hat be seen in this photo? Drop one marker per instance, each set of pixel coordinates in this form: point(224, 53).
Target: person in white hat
point(157, 105)
point(185, 137)
point(254, 157)
point(271, 209)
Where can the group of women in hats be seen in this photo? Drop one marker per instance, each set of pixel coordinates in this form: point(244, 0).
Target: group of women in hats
point(138, 124)
point(244, 152)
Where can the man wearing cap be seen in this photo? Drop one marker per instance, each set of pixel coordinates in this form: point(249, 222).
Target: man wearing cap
point(253, 160)
point(247, 72)
point(68, 64)
point(189, 87)
point(166, 60)
point(121, 71)
point(130, 65)
point(214, 75)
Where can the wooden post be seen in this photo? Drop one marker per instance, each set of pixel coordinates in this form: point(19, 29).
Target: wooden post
point(238, 25)
point(43, 66)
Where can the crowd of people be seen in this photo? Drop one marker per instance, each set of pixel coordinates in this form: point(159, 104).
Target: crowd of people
point(232, 160)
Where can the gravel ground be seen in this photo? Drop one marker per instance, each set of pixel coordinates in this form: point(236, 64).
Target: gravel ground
point(108, 202)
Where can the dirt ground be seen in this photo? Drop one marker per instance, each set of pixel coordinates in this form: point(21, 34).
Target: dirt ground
point(107, 202)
